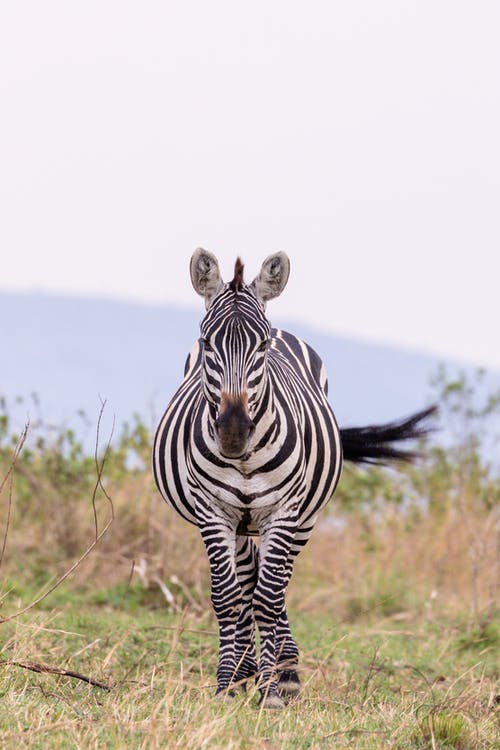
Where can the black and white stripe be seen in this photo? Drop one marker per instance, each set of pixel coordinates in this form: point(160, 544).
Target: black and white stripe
point(249, 446)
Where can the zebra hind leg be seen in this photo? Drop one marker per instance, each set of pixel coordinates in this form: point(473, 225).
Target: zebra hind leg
point(247, 562)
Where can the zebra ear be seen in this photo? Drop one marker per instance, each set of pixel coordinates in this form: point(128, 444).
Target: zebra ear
point(205, 274)
point(272, 277)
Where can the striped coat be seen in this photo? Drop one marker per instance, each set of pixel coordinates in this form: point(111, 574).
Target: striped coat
point(249, 446)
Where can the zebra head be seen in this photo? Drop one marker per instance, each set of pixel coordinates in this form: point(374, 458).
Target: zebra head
point(235, 337)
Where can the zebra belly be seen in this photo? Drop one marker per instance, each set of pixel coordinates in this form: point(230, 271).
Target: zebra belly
point(246, 527)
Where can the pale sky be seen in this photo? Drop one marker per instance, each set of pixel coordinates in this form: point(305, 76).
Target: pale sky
point(360, 137)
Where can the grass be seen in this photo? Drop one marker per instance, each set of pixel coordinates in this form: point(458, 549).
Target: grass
point(394, 607)
point(399, 639)
point(370, 685)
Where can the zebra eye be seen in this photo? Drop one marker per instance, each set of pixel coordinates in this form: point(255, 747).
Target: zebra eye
point(206, 345)
point(263, 346)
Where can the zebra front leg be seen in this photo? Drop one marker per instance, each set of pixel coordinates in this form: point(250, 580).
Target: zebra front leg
point(269, 600)
point(286, 648)
point(247, 564)
point(287, 658)
point(219, 536)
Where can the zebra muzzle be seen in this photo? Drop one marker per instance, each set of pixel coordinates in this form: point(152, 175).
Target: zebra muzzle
point(233, 427)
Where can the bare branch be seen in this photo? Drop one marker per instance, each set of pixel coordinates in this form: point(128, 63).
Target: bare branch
point(9, 477)
point(100, 468)
point(45, 669)
point(98, 537)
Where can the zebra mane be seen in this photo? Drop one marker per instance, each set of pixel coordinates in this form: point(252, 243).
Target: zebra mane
point(237, 283)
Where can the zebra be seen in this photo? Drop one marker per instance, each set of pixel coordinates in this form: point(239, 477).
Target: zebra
point(249, 446)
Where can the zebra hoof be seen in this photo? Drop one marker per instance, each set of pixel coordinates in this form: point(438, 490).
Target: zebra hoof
point(224, 696)
point(272, 700)
point(289, 682)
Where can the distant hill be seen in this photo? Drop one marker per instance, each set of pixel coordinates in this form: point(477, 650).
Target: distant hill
point(72, 351)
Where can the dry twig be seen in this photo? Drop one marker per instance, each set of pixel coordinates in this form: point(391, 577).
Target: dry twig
point(9, 477)
point(98, 536)
point(45, 669)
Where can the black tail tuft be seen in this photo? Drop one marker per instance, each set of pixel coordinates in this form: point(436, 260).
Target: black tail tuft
point(374, 444)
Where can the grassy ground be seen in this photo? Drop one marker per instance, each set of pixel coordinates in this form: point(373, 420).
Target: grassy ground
point(397, 682)
point(394, 604)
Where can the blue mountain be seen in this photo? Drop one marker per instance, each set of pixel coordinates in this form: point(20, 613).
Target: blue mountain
point(72, 352)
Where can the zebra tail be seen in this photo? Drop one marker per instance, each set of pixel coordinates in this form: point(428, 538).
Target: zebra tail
point(378, 444)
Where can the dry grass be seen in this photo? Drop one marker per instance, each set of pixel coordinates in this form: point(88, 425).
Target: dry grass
point(396, 616)
point(434, 567)
point(392, 563)
point(383, 686)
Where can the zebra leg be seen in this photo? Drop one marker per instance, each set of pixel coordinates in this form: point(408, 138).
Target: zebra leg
point(269, 599)
point(219, 535)
point(287, 658)
point(286, 648)
point(247, 562)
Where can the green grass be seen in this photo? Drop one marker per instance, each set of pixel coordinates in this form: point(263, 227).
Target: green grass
point(383, 684)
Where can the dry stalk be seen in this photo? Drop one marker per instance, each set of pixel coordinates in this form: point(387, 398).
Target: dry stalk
point(9, 477)
point(45, 669)
point(98, 534)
